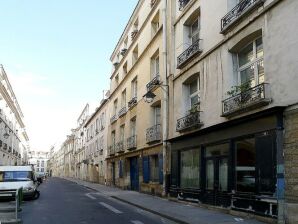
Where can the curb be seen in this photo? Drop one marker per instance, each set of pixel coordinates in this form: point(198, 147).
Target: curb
point(151, 211)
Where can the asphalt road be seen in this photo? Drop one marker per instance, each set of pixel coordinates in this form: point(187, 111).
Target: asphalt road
point(62, 201)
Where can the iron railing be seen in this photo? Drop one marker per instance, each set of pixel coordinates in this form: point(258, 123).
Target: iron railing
point(120, 147)
point(153, 134)
point(251, 98)
point(152, 3)
point(188, 122)
point(190, 52)
point(133, 102)
point(131, 142)
point(111, 150)
point(182, 4)
point(122, 111)
point(153, 83)
point(239, 10)
point(134, 34)
point(113, 119)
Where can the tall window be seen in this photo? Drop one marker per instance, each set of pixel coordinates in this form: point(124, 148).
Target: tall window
point(123, 98)
point(190, 169)
point(194, 93)
point(134, 88)
point(195, 30)
point(115, 106)
point(155, 24)
point(125, 69)
point(122, 133)
point(117, 79)
point(113, 137)
point(251, 63)
point(135, 55)
point(157, 115)
point(133, 127)
point(155, 66)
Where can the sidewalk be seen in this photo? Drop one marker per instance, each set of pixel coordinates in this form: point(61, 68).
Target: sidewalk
point(179, 212)
point(7, 213)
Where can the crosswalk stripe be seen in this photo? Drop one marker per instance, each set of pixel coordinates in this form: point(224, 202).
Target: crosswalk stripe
point(136, 222)
point(111, 208)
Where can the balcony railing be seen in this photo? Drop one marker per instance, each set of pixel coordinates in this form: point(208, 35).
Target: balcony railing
point(182, 4)
point(190, 52)
point(189, 122)
point(254, 97)
point(134, 34)
point(111, 150)
point(153, 3)
point(153, 134)
point(153, 83)
point(238, 11)
point(131, 142)
point(122, 111)
point(113, 119)
point(133, 102)
point(120, 147)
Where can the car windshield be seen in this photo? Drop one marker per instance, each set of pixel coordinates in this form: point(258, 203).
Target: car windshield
point(9, 176)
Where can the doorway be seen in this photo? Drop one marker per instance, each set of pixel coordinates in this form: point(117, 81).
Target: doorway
point(134, 174)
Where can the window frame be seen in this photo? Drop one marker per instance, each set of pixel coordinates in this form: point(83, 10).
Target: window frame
point(196, 93)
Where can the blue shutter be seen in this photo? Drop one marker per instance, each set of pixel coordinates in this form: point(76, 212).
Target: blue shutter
point(146, 171)
point(120, 169)
point(160, 167)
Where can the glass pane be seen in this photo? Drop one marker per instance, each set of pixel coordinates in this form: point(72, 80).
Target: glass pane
point(259, 46)
point(210, 174)
point(157, 115)
point(245, 165)
point(246, 55)
point(194, 101)
point(193, 87)
point(218, 150)
point(190, 170)
point(261, 73)
point(223, 175)
point(247, 75)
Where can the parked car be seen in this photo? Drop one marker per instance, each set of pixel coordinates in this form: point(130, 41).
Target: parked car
point(15, 177)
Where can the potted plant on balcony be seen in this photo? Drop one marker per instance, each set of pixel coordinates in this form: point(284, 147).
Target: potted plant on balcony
point(242, 92)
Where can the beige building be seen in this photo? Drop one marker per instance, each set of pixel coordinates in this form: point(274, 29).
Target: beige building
point(96, 143)
point(233, 96)
point(135, 131)
point(14, 141)
point(69, 158)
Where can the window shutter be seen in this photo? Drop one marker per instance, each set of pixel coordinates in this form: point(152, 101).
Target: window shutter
point(146, 172)
point(160, 167)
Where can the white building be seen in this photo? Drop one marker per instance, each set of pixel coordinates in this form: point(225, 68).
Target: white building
point(14, 142)
point(39, 160)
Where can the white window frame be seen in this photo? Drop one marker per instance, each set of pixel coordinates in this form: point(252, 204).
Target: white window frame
point(134, 89)
point(254, 62)
point(155, 66)
point(155, 115)
point(197, 93)
point(123, 98)
point(192, 34)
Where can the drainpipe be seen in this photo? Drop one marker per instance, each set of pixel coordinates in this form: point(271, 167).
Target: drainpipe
point(165, 108)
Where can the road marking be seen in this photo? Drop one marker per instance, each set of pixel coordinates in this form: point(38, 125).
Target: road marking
point(90, 196)
point(136, 222)
point(238, 219)
point(110, 208)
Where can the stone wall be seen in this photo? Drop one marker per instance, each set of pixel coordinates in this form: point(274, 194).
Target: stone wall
point(291, 165)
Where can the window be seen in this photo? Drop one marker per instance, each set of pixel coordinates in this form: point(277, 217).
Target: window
point(42, 163)
point(113, 137)
point(117, 79)
point(190, 169)
point(102, 120)
point(37, 163)
point(42, 170)
point(122, 133)
point(195, 31)
point(115, 106)
point(251, 63)
point(154, 168)
point(97, 125)
point(135, 55)
point(194, 93)
point(155, 65)
point(125, 69)
point(133, 127)
point(125, 43)
point(155, 24)
point(123, 99)
point(134, 88)
point(157, 115)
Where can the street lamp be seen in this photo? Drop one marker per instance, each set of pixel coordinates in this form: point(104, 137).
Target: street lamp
point(149, 97)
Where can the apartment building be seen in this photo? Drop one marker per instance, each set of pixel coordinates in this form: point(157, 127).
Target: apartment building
point(39, 160)
point(80, 143)
point(135, 158)
point(96, 143)
point(69, 159)
point(233, 105)
point(14, 141)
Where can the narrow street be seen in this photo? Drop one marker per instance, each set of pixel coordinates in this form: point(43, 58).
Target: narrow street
point(62, 201)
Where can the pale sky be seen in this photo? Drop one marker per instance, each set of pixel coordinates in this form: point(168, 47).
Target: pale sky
point(56, 55)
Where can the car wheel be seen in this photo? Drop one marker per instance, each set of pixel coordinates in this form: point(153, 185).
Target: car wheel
point(36, 195)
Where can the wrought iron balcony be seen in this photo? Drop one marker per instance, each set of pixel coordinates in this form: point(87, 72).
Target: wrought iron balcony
point(111, 150)
point(154, 82)
point(182, 4)
point(153, 134)
point(113, 119)
point(241, 9)
point(252, 98)
point(153, 3)
point(134, 34)
point(131, 142)
point(189, 53)
point(120, 147)
point(123, 51)
point(189, 122)
point(133, 102)
point(122, 111)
